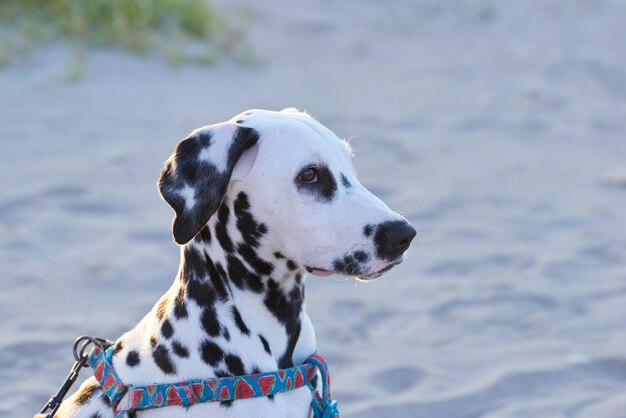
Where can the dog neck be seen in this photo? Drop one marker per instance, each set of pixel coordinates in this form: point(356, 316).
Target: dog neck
point(262, 291)
point(237, 304)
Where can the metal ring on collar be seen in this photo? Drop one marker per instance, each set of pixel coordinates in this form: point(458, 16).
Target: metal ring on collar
point(79, 353)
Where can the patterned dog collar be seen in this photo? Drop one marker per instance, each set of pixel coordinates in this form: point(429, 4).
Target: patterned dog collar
point(129, 398)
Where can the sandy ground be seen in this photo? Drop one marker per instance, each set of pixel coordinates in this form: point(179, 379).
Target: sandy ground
point(497, 127)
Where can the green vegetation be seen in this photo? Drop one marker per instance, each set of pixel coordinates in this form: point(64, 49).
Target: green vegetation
point(181, 30)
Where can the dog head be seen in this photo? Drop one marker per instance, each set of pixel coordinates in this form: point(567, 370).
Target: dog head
point(297, 178)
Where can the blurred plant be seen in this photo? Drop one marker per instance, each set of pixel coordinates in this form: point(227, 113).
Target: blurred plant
point(181, 30)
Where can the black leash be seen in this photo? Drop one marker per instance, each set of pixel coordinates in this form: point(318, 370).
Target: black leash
point(54, 403)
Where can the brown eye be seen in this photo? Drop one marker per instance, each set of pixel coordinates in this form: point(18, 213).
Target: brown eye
point(308, 175)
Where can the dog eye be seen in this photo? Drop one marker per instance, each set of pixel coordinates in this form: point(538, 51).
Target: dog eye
point(308, 175)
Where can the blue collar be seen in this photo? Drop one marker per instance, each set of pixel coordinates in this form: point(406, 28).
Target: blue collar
point(129, 398)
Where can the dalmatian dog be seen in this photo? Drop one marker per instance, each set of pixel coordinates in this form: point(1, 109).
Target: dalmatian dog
point(260, 201)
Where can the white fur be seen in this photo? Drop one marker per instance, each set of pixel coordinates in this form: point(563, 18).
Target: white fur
point(311, 232)
point(188, 195)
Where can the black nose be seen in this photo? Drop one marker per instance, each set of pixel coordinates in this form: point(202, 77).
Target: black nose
point(393, 238)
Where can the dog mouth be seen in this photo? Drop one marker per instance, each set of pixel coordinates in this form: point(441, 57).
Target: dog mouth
point(377, 274)
point(319, 272)
point(361, 276)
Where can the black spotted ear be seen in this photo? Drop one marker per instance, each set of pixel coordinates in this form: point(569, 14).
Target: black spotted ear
point(195, 177)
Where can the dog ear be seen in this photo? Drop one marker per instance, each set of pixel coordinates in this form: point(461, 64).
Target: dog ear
point(196, 176)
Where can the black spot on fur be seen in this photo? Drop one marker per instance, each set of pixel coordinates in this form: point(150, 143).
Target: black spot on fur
point(279, 305)
point(235, 365)
point(239, 321)
point(132, 359)
point(291, 265)
point(161, 356)
point(193, 265)
point(361, 256)
point(251, 230)
point(209, 321)
point(237, 272)
point(201, 292)
point(299, 278)
point(211, 353)
point(96, 415)
point(179, 349)
point(221, 228)
point(119, 346)
point(345, 182)
point(242, 277)
point(218, 278)
point(324, 189)
point(261, 266)
point(341, 266)
point(161, 309)
point(368, 229)
point(351, 264)
point(166, 328)
point(266, 345)
point(226, 334)
point(278, 255)
point(87, 393)
point(205, 235)
point(286, 308)
point(286, 360)
point(180, 307)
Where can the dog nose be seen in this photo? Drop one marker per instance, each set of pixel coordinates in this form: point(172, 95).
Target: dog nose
point(393, 238)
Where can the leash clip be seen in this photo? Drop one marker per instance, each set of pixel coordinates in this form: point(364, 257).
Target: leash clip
point(81, 357)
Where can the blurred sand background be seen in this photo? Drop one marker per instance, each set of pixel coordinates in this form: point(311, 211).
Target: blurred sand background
point(497, 127)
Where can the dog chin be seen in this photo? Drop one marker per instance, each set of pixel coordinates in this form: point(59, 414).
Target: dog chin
point(375, 275)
